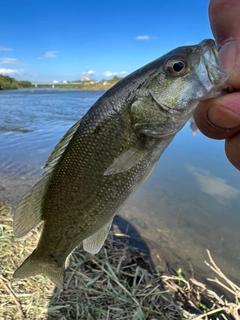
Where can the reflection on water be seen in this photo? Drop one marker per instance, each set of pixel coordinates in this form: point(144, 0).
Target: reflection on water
point(189, 203)
point(213, 185)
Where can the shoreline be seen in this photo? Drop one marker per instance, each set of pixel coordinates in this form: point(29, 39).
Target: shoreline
point(84, 87)
point(118, 282)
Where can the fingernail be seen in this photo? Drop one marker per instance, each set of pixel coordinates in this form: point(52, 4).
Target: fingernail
point(227, 53)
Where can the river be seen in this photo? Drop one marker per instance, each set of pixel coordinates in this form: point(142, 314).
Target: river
point(190, 202)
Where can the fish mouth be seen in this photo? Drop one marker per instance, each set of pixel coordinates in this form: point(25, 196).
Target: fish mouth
point(213, 65)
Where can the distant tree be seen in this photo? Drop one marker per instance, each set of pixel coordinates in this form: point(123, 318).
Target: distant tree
point(8, 83)
point(114, 79)
point(25, 84)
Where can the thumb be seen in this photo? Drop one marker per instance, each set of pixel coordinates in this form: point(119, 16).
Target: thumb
point(224, 18)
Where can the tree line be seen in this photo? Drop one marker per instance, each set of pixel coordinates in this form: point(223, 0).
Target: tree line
point(8, 83)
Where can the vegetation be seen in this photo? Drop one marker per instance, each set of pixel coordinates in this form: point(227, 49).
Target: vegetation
point(117, 283)
point(114, 80)
point(8, 83)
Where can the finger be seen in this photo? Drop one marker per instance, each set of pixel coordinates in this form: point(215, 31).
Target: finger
point(224, 18)
point(219, 118)
point(232, 150)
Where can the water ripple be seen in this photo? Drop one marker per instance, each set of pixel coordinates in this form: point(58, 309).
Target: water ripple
point(33, 121)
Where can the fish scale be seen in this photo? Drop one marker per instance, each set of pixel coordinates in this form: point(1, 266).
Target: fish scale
point(107, 154)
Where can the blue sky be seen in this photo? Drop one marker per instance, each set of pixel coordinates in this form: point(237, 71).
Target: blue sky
point(51, 40)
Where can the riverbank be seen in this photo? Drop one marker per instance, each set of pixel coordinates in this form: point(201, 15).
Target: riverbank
point(84, 87)
point(119, 282)
point(91, 86)
point(8, 83)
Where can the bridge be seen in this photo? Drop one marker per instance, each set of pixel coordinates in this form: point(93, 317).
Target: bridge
point(36, 84)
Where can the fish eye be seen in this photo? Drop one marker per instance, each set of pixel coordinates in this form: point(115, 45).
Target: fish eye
point(177, 67)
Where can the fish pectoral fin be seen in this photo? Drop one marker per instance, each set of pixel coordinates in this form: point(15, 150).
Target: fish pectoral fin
point(126, 161)
point(32, 267)
point(62, 144)
point(94, 243)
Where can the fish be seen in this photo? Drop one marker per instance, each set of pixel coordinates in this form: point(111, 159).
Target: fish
point(106, 155)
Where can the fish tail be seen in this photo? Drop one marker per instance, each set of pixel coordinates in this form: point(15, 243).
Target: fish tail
point(33, 266)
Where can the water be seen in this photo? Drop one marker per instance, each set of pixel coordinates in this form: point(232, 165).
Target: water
point(189, 203)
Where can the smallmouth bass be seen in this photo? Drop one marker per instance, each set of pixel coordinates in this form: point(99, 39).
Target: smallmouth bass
point(108, 153)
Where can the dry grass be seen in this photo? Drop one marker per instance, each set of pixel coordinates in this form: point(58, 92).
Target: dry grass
point(194, 297)
point(118, 283)
point(27, 299)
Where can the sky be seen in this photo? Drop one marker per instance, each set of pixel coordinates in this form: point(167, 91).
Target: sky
point(49, 40)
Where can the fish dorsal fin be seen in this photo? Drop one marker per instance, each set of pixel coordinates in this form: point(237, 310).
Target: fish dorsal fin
point(28, 212)
point(61, 146)
point(94, 243)
point(126, 161)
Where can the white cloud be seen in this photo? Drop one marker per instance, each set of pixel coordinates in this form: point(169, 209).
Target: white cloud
point(87, 74)
point(90, 72)
point(5, 49)
point(212, 185)
point(145, 37)
point(49, 55)
point(108, 73)
point(11, 72)
point(9, 61)
point(111, 74)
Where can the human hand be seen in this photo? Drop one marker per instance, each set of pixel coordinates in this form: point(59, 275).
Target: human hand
point(219, 118)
